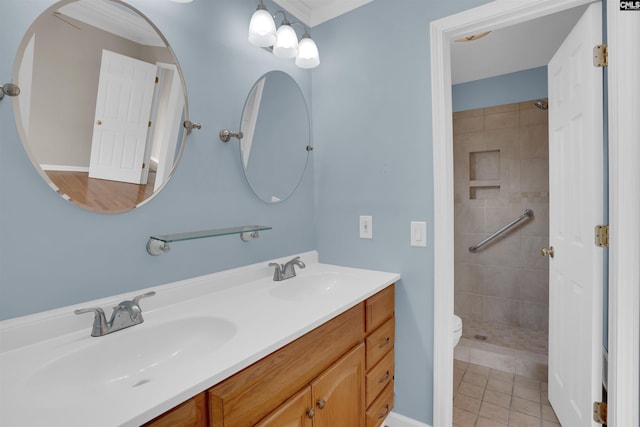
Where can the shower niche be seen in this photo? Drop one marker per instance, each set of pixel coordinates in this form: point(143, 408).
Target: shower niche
point(484, 175)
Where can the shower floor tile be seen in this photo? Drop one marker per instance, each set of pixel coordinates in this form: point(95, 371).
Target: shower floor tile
point(506, 336)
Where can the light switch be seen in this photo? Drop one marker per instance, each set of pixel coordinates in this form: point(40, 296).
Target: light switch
point(419, 233)
point(366, 227)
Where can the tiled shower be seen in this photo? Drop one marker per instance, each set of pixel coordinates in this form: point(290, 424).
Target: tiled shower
point(502, 290)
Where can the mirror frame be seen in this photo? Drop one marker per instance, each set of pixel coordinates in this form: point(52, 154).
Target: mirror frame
point(308, 146)
point(18, 116)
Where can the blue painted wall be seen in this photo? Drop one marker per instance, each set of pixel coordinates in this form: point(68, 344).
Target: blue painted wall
point(54, 254)
point(500, 90)
point(373, 156)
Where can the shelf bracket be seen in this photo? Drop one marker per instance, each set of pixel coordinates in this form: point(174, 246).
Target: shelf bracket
point(157, 247)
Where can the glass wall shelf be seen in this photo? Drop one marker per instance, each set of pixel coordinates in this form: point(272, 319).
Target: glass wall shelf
point(160, 244)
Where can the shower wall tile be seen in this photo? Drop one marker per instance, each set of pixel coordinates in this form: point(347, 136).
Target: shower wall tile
point(510, 119)
point(534, 316)
point(535, 175)
point(502, 282)
point(502, 310)
point(534, 286)
point(468, 305)
point(469, 278)
point(468, 124)
point(534, 142)
point(531, 252)
point(507, 281)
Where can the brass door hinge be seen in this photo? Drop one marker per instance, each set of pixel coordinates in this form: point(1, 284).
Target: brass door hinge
point(600, 412)
point(144, 165)
point(157, 79)
point(602, 236)
point(600, 55)
point(149, 124)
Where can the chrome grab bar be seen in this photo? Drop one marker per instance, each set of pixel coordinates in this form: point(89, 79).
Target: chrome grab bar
point(527, 214)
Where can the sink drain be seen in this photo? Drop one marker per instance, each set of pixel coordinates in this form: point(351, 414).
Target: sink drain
point(141, 382)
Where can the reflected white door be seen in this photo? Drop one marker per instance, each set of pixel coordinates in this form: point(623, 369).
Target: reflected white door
point(576, 206)
point(123, 106)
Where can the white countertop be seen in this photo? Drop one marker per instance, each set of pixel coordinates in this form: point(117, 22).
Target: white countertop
point(249, 313)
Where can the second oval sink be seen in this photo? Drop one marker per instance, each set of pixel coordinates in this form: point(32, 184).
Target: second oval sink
point(126, 359)
point(310, 286)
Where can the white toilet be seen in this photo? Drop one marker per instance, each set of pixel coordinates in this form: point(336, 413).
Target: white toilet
point(457, 329)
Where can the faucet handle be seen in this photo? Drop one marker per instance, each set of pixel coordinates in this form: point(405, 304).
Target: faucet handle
point(100, 326)
point(137, 299)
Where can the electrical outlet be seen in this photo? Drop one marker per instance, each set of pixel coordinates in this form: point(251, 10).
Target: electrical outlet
point(366, 227)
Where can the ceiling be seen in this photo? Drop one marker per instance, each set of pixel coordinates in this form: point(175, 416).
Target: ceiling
point(520, 47)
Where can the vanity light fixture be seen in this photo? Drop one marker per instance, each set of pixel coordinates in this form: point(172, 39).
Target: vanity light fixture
point(9, 89)
point(284, 40)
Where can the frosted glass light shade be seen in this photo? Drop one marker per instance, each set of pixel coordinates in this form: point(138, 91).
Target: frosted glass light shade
point(262, 29)
point(308, 56)
point(286, 45)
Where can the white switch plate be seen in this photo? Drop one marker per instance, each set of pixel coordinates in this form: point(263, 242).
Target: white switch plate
point(419, 233)
point(366, 227)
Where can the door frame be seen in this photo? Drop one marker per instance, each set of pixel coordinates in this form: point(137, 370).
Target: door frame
point(624, 185)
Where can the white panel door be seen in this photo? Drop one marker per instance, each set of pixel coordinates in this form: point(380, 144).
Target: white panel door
point(576, 206)
point(123, 106)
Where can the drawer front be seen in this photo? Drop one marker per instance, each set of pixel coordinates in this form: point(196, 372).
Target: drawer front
point(381, 407)
point(192, 413)
point(380, 342)
point(378, 377)
point(252, 393)
point(379, 308)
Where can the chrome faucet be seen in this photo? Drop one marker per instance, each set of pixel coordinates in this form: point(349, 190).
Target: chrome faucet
point(125, 314)
point(286, 271)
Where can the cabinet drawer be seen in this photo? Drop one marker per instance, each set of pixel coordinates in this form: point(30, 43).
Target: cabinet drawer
point(381, 407)
point(252, 393)
point(378, 377)
point(192, 413)
point(379, 308)
point(379, 342)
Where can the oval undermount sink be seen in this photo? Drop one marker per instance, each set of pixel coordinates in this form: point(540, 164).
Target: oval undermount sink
point(309, 286)
point(126, 359)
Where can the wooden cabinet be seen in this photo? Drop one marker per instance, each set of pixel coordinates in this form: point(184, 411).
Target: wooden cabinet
point(192, 413)
point(339, 374)
point(380, 339)
point(334, 398)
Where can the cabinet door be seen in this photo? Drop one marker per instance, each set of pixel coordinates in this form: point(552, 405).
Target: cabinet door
point(338, 393)
point(293, 413)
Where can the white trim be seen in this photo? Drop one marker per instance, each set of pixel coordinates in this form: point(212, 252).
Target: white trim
point(315, 15)
point(623, 266)
point(397, 420)
point(65, 168)
point(623, 33)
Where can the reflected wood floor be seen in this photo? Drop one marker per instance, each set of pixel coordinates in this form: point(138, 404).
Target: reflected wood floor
point(101, 195)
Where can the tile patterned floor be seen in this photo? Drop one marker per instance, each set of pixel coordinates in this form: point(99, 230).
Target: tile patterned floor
point(485, 397)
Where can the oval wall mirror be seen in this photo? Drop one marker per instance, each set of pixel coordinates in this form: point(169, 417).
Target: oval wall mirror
point(277, 134)
point(102, 104)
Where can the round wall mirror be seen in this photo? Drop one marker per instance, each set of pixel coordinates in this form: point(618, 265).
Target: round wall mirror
point(277, 134)
point(102, 104)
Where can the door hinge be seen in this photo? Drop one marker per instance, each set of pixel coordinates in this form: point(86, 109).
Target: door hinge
point(149, 123)
point(600, 412)
point(602, 236)
point(144, 165)
point(600, 55)
point(157, 79)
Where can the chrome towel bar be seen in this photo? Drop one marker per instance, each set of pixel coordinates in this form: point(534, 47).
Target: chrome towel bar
point(528, 213)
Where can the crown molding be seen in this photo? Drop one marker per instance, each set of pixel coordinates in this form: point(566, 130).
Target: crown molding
point(322, 11)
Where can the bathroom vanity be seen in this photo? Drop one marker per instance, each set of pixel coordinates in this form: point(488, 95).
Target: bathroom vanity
point(230, 349)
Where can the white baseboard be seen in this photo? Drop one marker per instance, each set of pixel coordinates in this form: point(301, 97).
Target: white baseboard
point(65, 168)
point(397, 420)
